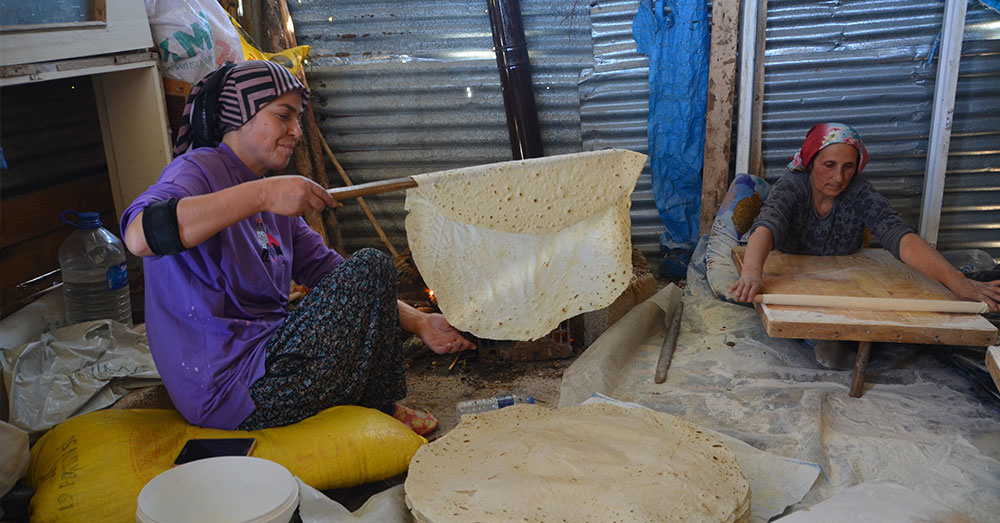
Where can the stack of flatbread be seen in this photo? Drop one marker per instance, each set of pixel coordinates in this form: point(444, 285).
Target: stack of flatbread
point(586, 463)
point(511, 249)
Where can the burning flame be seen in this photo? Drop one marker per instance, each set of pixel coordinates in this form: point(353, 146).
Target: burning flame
point(430, 292)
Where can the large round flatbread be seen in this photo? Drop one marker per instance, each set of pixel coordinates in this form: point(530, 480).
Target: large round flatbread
point(590, 463)
point(511, 249)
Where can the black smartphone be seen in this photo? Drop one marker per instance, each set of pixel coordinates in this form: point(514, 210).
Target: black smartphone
point(196, 449)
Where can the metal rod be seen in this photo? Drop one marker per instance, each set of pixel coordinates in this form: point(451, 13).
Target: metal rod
point(511, 49)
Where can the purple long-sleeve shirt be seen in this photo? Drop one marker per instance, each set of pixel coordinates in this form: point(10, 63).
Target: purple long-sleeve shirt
point(211, 309)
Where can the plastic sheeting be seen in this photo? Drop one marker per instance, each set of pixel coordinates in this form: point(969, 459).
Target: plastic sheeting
point(677, 43)
point(14, 457)
point(388, 506)
point(74, 370)
point(920, 422)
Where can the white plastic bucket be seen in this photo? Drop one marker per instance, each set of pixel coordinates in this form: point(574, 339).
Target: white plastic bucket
point(223, 489)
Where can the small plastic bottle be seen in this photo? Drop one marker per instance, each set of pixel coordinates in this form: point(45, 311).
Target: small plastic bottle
point(95, 278)
point(494, 403)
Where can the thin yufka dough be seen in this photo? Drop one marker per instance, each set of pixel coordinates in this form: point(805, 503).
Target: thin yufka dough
point(513, 248)
point(585, 463)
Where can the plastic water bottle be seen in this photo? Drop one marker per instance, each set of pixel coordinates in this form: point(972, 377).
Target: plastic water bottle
point(494, 403)
point(95, 278)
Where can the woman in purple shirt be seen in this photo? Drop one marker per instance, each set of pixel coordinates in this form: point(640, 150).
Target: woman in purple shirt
point(222, 245)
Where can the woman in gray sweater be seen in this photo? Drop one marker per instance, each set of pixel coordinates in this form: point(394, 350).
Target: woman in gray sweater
point(822, 208)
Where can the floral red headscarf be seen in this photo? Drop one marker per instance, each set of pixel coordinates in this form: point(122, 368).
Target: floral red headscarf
point(823, 134)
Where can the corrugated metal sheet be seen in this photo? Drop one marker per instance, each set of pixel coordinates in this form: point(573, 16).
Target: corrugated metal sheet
point(614, 109)
point(407, 88)
point(868, 63)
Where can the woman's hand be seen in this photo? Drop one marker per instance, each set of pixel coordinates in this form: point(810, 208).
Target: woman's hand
point(293, 195)
point(752, 273)
point(747, 287)
point(440, 336)
point(986, 292)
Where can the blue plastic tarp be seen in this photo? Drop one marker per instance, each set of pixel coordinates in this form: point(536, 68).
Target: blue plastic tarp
point(675, 36)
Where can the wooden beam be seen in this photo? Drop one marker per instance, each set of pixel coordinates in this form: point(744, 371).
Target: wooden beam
point(33, 214)
point(860, 368)
point(133, 117)
point(993, 364)
point(719, 109)
point(757, 114)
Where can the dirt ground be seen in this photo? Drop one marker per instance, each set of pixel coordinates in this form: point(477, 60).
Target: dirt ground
point(437, 383)
point(433, 386)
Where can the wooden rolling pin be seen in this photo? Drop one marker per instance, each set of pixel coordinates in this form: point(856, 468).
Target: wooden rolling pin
point(875, 304)
point(669, 345)
point(365, 189)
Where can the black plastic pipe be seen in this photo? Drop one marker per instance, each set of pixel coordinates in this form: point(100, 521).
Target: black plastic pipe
point(515, 78)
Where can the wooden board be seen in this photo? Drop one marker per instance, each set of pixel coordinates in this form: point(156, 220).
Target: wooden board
point(993, 364)
point(867, 273)
point(719, 109)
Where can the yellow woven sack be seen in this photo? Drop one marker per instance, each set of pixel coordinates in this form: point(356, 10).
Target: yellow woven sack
point(290, 58)
point(92, 467)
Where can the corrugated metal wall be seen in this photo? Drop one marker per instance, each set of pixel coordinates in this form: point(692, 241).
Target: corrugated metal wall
point(405, 88)
point(614, 108)
point(866, 63)
point(412, 87)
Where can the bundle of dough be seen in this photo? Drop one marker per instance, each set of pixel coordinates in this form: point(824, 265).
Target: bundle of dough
point(511, 249)
point(586, 463)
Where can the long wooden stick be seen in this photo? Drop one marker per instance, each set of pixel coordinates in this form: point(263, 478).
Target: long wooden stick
point(341, 195)
point(669, 344)
point(365, 189)
point(877, 304)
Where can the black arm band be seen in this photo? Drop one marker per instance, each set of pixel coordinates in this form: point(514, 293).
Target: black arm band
point(159, 224)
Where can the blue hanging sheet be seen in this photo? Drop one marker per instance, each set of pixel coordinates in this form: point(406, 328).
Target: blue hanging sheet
point(677, 43)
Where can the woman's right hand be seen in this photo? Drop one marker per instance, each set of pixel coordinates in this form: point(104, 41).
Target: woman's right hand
point(747, 287)
point(293, 195)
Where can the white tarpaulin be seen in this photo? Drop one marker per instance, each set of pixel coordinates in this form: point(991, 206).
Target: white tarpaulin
point(74, 370)
point(920, 422)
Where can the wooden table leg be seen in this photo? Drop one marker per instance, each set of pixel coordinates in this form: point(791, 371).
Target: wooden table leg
point(860, 367)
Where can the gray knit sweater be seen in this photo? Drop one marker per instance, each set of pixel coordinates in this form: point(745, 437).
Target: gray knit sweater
point(791, 217)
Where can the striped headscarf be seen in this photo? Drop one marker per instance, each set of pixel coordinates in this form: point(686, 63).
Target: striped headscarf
point(822, 135)
point(228, 97)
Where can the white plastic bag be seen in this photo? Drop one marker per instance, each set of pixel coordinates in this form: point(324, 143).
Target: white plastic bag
point(74, 370)
point(193, 37)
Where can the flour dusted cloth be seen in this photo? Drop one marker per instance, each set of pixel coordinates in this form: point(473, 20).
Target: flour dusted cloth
point(513, 248)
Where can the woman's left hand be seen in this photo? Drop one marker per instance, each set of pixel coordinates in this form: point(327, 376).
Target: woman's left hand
point(986, 292)
point(441, 337)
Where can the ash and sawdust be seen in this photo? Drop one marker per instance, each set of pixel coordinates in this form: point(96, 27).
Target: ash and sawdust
point(437, 383)
point(432, 386)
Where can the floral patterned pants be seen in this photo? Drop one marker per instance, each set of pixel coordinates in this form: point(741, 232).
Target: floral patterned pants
point(341, 346)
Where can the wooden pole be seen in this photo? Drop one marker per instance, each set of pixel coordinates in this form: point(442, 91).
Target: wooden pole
point(344, 194)
point(877, 304)
point(719, 109)
point(669, 345)
point(860, 369)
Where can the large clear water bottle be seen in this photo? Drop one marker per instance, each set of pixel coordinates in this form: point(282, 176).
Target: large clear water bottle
point(95, 278)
